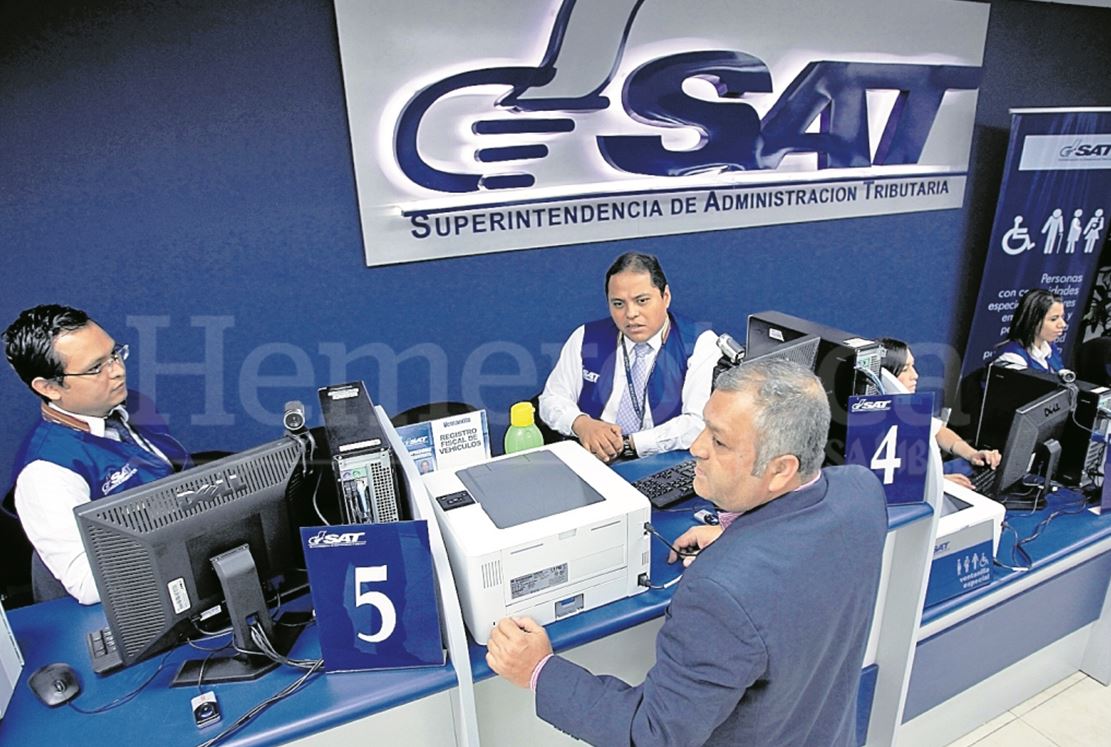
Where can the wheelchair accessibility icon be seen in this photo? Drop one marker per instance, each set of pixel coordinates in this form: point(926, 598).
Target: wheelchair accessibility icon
point(1017, 239)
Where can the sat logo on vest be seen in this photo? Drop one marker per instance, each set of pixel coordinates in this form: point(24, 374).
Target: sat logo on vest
point(590, 376)
point(118, 478)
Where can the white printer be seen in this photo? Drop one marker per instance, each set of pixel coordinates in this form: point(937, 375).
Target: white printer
point(544, 533)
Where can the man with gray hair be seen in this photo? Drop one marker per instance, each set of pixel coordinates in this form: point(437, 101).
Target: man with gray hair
point(764, 640)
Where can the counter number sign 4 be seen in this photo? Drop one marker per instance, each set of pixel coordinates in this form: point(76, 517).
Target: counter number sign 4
point(890, 435)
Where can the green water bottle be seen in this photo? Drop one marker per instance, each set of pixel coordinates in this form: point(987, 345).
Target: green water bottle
point(522, 432)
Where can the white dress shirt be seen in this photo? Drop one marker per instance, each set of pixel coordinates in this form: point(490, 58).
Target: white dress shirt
point(559, 403)
point(45, 496)
point(1040, 353)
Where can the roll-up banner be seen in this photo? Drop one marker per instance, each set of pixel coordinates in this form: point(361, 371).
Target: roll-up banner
point(1050, 222)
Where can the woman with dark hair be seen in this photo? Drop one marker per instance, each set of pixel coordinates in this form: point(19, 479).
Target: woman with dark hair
point(1039, 321)
point(898, 360)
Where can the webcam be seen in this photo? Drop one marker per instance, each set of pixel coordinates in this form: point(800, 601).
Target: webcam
point(206, 709)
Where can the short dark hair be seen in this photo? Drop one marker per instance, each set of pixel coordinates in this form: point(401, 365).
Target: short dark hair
point(895, 356)
point(637, 262)
point(29, 340)
point(1030, 314)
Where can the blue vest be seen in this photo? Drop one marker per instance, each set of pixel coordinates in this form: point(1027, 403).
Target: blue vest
point(1014, 346)
point(107, 466)
point(665, 384)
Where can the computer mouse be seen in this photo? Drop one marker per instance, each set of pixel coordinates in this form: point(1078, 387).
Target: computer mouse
point(55, 684)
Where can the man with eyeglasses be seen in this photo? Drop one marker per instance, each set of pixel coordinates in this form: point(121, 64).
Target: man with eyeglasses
point(85, 445)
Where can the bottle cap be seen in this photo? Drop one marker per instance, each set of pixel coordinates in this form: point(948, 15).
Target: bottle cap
point(521, 415)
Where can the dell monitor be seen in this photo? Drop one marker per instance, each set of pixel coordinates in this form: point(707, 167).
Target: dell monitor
point(1033, 443)
point(212, 543)
point(1006, 389)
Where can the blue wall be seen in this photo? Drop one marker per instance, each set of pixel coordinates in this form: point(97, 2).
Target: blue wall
point(183, 171)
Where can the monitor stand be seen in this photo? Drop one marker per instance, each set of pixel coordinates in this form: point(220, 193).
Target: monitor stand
point(246, 607)
point(1047, 454)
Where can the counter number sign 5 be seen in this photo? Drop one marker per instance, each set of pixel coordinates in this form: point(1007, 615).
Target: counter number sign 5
point(373, 588)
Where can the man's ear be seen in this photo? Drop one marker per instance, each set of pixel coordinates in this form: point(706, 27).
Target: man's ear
point(784, 469)
point(48, 388)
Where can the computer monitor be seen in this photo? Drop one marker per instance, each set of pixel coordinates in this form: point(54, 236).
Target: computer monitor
point(1033, 442)
point(846, 364)
point(803, 351)
point(206, 546)
point(1006, 389)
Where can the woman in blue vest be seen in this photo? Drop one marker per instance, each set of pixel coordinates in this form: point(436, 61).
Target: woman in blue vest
point(1038, 323)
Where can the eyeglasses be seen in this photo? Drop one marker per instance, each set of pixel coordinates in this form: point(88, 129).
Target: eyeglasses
point(118, 355)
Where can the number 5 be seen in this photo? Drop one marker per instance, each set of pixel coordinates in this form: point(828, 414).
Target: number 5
point(371, 575)
point(885, 458)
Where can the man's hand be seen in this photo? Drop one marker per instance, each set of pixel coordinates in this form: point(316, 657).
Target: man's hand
point(600, 438)
point(959, 479)
point(695, 539)
point(516, 646)
point(986, 458)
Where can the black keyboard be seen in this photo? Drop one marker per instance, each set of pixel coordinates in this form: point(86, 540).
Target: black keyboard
point(103, 652)
point(669, 485)
point(983, 481)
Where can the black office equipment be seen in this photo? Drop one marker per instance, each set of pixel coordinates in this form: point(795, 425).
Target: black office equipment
point(802, 350)
point(199, 549)
point(669, 485)
point(1006, 389)
point(1033, 446)
point(362, 460)
point(847, 364)
point(54, 684)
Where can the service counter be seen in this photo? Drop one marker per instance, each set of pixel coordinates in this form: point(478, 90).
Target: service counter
point(959, 643)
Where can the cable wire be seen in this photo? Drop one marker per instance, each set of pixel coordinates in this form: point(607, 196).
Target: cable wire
point(253, 713)
point(126, 697)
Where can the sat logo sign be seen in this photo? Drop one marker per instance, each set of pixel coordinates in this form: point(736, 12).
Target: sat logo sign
point(890, 435)
point(374, 595)
point(504, 124)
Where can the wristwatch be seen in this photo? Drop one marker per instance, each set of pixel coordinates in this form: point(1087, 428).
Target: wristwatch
point(628, 451)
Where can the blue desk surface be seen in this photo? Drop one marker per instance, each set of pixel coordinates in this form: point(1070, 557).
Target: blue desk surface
point(632, 611)
point(1072, 529)
point(55, 631)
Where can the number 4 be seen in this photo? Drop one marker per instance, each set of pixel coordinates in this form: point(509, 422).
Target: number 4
point(885, 458)
point(371, 575)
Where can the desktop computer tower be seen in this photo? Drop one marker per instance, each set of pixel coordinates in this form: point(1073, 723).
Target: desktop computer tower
point(363, 463)
point(839, 363)
point(11, 662)
point(1006, 389)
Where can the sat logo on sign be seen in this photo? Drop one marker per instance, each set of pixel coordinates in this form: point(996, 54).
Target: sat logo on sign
point(677, 112)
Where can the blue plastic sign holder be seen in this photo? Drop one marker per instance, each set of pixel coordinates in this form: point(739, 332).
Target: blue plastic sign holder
point(890, 435)
point(375, 596)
